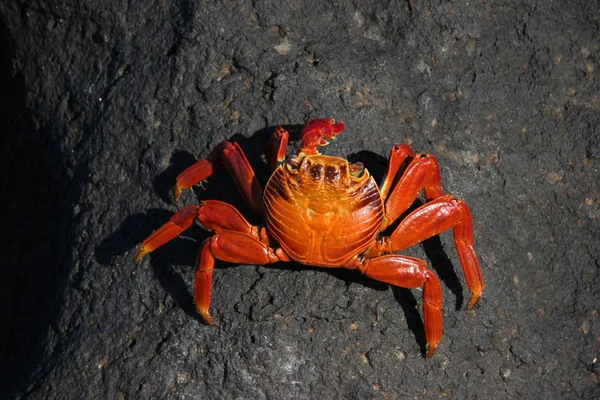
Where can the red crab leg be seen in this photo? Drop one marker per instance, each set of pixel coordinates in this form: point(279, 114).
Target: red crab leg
point(412, 273)
point(199, 171)
point(398, 155)
point(276, 147)
point(212, 214)
point(232, 156)
point(423, 172)
point(433, 218)
point(235, 247)
point(315, 132)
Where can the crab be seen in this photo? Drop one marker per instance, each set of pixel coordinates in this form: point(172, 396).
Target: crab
point(323, 211)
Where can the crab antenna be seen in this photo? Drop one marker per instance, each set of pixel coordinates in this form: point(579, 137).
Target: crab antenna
point(316, 131)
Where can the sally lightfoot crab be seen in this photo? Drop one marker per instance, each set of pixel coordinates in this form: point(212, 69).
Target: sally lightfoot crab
point(323, 211)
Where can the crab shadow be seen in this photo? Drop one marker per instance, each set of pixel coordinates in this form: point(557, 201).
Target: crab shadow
point(182, 250)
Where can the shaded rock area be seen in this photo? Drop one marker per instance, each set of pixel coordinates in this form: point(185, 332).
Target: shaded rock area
point(104, 103)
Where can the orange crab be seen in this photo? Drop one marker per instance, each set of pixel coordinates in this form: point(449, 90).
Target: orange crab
point(323, 211)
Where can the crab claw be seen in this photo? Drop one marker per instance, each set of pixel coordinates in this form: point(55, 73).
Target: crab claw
point(316, 131)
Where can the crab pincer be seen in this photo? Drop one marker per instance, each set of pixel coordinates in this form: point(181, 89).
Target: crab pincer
point(316, 131)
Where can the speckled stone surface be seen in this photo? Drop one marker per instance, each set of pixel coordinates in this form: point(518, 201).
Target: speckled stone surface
point(104, 103)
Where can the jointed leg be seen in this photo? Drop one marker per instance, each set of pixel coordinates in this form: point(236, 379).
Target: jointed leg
point(276, 147)
point(412, 273)
point(199, 171)
point(433, 218)
point(212, 214)
point(235, 240)
point(227, 246)
point(233, 158)
point(398, 155)
point(423, 173)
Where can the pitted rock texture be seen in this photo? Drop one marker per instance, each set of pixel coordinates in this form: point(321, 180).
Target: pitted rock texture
point(105, 102)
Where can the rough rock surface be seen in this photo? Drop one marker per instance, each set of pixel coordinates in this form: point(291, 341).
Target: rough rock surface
point(104, 102)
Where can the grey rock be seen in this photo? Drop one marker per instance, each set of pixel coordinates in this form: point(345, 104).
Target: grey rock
point(104, 103)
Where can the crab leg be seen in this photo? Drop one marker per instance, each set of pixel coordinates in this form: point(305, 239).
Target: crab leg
point(412, 273)
point(233, 158)
point(212, 214)
point(398, 155)
point(433, 218)
point(235, 247)
point(276, 147)
point(199, 171)
point(423, 172)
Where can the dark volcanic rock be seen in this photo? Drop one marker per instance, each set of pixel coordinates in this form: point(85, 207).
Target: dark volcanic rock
point(103, 103)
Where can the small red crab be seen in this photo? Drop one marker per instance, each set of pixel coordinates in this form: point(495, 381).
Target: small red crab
point(326, 212)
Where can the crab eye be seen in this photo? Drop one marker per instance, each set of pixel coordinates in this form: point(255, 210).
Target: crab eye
point(294, 162)
point(357, 169)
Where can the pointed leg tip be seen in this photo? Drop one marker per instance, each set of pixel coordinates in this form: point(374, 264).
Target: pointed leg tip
point(176, 193)
point(473, 301)
point(140, 254)
point(208, 319)
point(431, 348)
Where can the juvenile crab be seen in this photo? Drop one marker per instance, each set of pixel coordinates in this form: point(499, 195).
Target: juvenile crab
point(323, 211)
